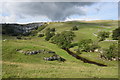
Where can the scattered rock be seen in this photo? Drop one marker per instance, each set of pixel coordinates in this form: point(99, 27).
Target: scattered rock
point(54, 57)
point(17, 49)
point(34, 52)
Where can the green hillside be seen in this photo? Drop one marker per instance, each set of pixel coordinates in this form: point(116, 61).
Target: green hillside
point(18, 65)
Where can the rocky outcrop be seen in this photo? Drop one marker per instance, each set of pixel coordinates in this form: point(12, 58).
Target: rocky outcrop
point(35, 52)
point(53, 58)
point(17, 29)
point(43, 51)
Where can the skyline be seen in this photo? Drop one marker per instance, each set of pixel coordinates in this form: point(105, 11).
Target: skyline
point(27, 12)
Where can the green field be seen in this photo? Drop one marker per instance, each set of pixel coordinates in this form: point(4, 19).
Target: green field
point(18, 65)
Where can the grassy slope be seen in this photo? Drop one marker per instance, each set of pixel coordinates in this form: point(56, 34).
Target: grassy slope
point(18, 65)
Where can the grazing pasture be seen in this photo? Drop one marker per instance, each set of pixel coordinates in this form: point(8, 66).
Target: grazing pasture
point(18, 65)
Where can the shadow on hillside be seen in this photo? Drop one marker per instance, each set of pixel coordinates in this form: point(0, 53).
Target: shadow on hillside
point(83, 59)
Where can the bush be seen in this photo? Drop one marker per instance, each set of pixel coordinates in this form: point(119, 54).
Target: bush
point(84, 45)
point(52, 30)
point(103, 35)
point(40, 35)
point(74, 28)
point(73, 45)
point(116, 34)
point(87, 45)
point(111, 52)
point(78, 51)
point(93, 47)
point(64, 39)
point(49, 34)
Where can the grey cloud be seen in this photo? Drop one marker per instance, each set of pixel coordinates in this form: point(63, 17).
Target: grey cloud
point(51, 10)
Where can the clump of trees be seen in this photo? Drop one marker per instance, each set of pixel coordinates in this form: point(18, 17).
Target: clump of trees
point(87, 45)
point(102, 35)
point(74, 28)
point(116, 34)
point(64, 39)
point(84, 45)
point(40, 35)
point(49, 33)
point(111, 53)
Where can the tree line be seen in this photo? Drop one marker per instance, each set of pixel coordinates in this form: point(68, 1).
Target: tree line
point(65, 38)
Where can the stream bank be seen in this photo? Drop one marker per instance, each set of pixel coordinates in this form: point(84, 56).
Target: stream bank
point(83, 59)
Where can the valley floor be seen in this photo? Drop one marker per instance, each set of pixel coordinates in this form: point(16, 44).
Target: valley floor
point(18, 65)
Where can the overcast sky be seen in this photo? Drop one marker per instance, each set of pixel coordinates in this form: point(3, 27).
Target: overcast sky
point(24, 12)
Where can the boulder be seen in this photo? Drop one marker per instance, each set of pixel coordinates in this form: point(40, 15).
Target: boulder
point(53, 58)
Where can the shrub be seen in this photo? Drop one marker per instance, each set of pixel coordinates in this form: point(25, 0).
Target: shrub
point(111, 52)
point(64, 39)
point(87, 45)
point(40, 35)
point(116, 34)
point(93, 47)
point(103, 35)
point(74, 28)
point(84, 45)
point(49, 34)
point(52, 30)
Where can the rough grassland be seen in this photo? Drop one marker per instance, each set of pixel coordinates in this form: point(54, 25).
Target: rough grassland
point(18, 65)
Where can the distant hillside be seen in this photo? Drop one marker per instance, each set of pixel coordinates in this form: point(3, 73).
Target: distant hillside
point(19, 29)
point(34, 28)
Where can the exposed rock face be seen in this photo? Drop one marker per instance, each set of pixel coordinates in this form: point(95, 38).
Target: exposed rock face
point(15, 29)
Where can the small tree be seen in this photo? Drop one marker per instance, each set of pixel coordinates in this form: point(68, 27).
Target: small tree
point(49, 34)
point(74, 28)
point(64, 39)
point(103, 35)
point(53, 30)
point(48, 29)
point(41, 35)
point(116, 34)
point(84, 45)
point(111, 52)
point(94, 46)
point(87, 45)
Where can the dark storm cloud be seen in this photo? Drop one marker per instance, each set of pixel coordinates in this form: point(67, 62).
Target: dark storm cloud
point(51, 10)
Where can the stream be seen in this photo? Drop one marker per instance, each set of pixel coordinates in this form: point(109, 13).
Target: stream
point(83, 59)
